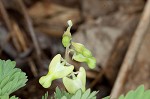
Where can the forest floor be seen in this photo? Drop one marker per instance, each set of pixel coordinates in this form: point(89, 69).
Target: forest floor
point(116, 32)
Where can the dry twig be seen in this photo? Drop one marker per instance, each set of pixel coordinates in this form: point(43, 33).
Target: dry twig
point(132, 51)
point(19, 35)
point(5, 15)
point(8, 24)
point(98, 78)
point(30, 27)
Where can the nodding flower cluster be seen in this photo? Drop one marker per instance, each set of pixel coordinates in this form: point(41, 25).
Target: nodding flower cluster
point(60, 68)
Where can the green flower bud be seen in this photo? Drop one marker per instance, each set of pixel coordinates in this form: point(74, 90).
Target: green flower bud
point(67, 35)
point(79, 57)
point(66, 41)
point(91, 62)
point(79, 82)
point(87, 53)
point(78, 47)
point(56, 70)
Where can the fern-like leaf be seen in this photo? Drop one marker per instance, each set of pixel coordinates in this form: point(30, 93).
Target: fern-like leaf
point(45, 96)
point(78, 95)
point(108, 97)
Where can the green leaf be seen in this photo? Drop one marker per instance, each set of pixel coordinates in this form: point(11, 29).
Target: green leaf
point(93, 94)
point(45, 96)
point(64, 97)
point(130, 95)
point(6, 96)
point(4, 82)
point(146, 95)
point(60, 94)
point(77, 95)
point(121, 97)
point(7, 87)
point(139, 93)
point(93, 97)
point(86, 94)
point(108, 97)
point(68, 95)
point(11, 78)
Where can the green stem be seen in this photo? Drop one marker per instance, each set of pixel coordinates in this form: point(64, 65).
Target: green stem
point(67, 54)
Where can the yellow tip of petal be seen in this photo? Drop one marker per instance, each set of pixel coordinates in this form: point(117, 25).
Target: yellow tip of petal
point(45, 81)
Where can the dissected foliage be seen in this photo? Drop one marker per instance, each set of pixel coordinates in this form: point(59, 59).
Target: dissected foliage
point(60, 94)
point(45, 96)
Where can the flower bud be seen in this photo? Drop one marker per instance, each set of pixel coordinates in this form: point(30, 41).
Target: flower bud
point(67, 35)
point(79, 57)
point(66, 41)
point(87, 53)
point(78, 47)
point(91, 62)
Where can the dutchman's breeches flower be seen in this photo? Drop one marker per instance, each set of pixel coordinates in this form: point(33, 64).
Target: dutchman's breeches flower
point(57, 69)
point(76, 83)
